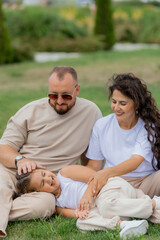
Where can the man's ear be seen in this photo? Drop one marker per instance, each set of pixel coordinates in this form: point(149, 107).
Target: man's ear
point(77, 89)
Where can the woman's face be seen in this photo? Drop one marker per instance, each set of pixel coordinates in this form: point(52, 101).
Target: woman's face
point(44, 181)
point(124, 109)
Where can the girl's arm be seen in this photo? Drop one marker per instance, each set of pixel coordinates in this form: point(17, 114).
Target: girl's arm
point(86, 200)
point(71, 213)
point(77, 172)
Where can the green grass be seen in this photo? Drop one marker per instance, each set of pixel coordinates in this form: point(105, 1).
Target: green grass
point(22, 83)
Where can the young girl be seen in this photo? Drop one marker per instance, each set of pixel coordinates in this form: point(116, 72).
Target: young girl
point(116, 202)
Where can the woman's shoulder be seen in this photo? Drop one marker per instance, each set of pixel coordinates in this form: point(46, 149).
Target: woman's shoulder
point(105, 120)
point(103, 123)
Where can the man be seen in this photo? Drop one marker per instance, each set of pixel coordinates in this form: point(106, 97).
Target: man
point(48, 133)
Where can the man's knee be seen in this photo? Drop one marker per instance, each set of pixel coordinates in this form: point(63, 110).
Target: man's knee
point(33, 205)
point(43, 205)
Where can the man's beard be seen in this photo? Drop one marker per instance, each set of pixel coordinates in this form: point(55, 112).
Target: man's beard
point(62, 111)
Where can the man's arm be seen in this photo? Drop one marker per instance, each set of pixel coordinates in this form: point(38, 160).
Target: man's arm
point(84, 159)
point(7, 158)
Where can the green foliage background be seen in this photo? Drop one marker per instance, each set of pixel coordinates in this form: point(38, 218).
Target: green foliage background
point(6, 54)
point(71, 28)
point(104, 22)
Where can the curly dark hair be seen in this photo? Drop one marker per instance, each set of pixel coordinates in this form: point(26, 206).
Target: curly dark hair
point(134, 88)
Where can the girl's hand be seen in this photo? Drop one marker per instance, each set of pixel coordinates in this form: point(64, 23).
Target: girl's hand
point(85, 202)
point(81, 213)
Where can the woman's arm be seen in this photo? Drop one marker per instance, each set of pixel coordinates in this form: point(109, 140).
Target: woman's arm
point(71, 213)
point(101, 177)
point(95, 164)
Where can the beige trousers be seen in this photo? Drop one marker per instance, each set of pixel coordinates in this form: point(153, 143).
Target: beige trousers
point(148, 184)
point(28, 206)
point(118, 200)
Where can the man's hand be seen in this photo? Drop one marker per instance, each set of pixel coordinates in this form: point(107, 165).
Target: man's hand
point(26, 165)
point(81, 213)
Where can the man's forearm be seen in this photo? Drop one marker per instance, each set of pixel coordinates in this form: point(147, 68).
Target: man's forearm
point(7, 156)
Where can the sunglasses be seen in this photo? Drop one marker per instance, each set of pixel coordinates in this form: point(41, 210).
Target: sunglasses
point(66, 97)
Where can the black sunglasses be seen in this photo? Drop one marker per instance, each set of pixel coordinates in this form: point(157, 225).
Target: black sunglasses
point(55, 96)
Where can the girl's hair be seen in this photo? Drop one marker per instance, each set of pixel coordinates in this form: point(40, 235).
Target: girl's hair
point(134, 88)
point(23, 184)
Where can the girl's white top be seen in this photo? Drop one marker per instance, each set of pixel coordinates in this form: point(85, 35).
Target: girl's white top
point(72, 192)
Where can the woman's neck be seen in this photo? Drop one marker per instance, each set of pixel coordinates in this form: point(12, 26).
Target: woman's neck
point(128, 125)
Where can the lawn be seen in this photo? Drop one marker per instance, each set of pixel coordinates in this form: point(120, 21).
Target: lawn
point(22, 83)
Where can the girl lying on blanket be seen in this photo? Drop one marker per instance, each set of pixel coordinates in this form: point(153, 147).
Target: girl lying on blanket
point(113, 206)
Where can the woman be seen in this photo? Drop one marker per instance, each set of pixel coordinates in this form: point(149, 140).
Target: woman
point(129, 139)
point(117, 201)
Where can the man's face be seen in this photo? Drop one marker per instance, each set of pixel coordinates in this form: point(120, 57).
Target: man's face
point(60, 88)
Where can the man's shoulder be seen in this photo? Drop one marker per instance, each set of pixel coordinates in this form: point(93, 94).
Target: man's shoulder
point(86, 103)
point(32, 107)
point(88, 107)
point(40, 103)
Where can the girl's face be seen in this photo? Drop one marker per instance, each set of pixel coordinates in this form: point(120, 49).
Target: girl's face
point(44, 181)
point(124, 109)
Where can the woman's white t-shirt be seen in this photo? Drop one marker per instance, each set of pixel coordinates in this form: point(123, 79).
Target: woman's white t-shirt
point(110, 142)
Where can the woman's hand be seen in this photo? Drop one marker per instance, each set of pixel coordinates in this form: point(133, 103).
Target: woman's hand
point(81, 213)
point(99, 179)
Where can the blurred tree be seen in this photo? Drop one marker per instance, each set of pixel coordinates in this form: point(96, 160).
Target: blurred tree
point(6, 54)
point(104, 22)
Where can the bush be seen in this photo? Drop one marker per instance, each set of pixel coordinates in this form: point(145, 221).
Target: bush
point(151, 32)
point(22, 51)
point(32, 22)
point(137, 23)
point(126, 31)
point(79, 44)
point(45, 29)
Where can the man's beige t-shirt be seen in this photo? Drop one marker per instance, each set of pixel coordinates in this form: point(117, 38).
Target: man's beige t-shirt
point(37, 132)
